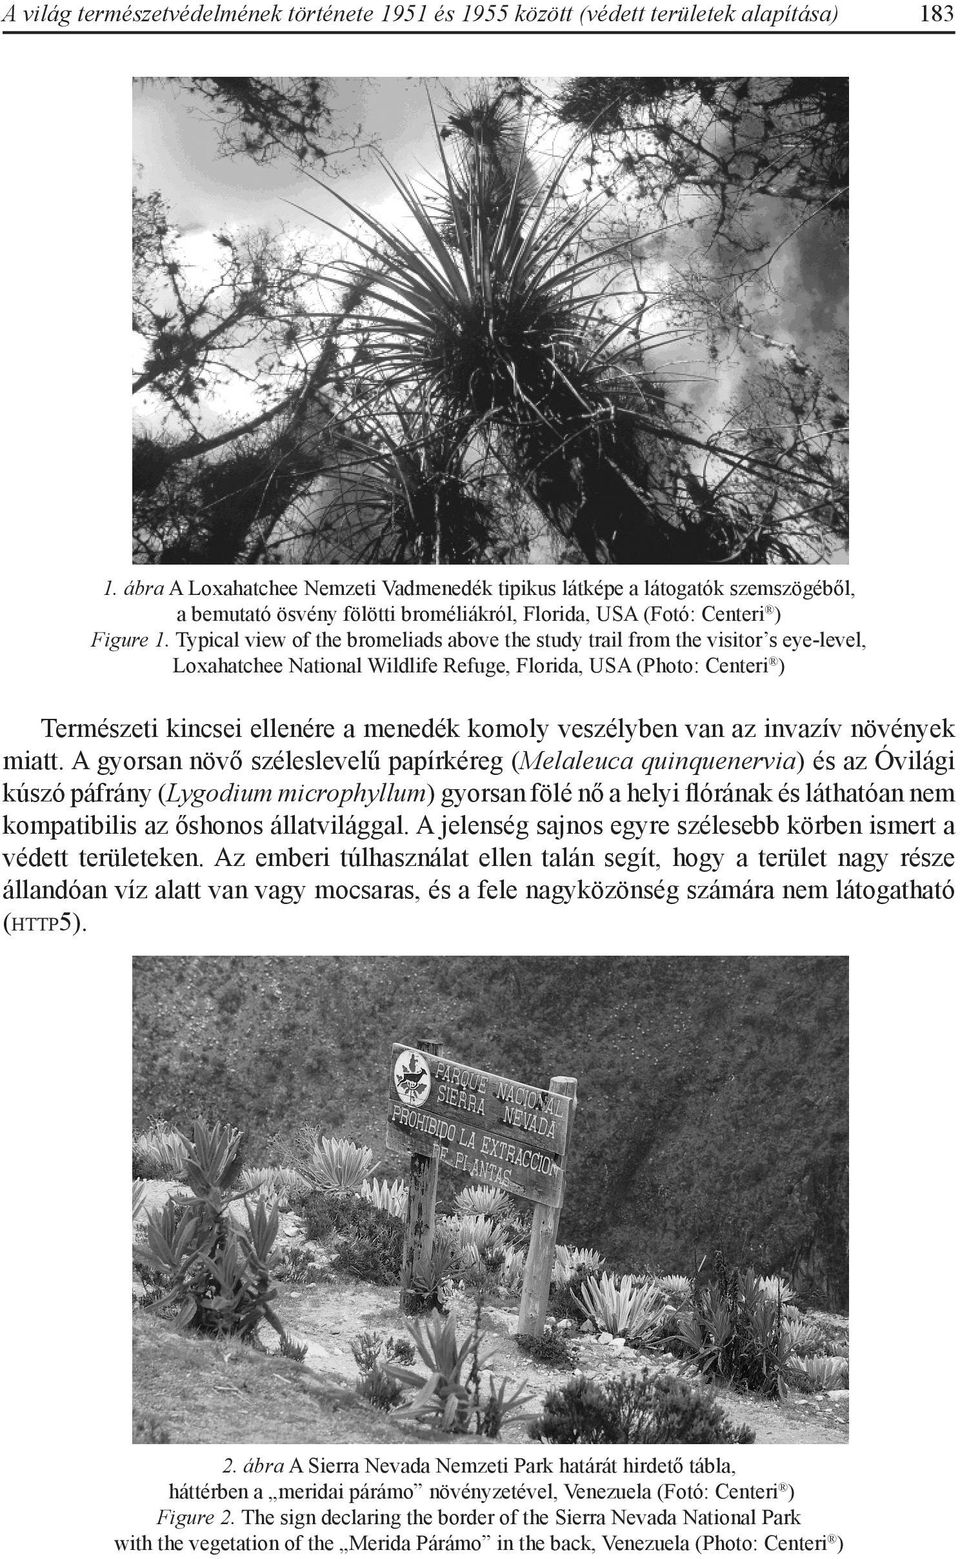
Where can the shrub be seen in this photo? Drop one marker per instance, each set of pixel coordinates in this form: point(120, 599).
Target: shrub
point(552, 1348)
point(564, 1304)
point(338, 1166)
point(373, 1353)
point(450, 1395)
point(215, 1271)
point(736, 1333)
point(433, 1279)
point(296, 1265)
point(835, 1334)
point(369, 1242)
point(682, 1415)
point(293, 1350)
point(576, 1413)
point(623, 1305)
point(634, 1410)
point(148, 1430)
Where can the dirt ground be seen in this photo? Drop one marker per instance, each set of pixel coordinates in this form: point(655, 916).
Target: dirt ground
point(206, 1392)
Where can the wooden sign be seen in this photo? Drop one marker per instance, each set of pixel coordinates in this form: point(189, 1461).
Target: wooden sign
point(507, 1134)
point(498, 1131)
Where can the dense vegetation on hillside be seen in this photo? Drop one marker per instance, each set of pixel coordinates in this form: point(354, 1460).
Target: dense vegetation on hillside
point(712, 1091)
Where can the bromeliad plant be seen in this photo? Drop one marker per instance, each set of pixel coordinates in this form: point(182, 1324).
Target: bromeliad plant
point(490, 325)
point(386, 1195)
point(280, 1183)
point(819, 1372)
point(624, 1306)
point(572, 1261)
point(213, 1269)
point(484, 1201)
point(159, 1153)
point(337, 1166)
point(500, 384)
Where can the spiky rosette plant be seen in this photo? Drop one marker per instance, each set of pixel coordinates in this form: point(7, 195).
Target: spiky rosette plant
point(489, 317)
point(493, 321)
point(480, 307)
point(336, 1165)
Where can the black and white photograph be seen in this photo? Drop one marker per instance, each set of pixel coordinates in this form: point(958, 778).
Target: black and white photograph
point(515, 320)
point(539, 1200)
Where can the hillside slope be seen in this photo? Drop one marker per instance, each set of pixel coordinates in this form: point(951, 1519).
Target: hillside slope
point(712, 1091)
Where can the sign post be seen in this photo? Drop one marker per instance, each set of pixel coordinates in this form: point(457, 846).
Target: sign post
point(503, 1133)
point(543, 1243)
point(421, 1210)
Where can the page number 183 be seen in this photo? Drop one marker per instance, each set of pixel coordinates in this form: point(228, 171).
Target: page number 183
point(937, 13)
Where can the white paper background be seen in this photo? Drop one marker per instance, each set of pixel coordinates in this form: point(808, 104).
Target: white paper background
point(66, 264)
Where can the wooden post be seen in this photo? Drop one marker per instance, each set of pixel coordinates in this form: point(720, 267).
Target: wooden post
point(421, 1210)
point(543, 1241)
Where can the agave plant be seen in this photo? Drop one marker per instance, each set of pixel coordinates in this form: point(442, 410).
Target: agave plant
point(338, 1166)
point(512, 1270)
point(450, 1394)
point(213, 1268)
point(388, 1196)
point(624, 1306)
point(802, 1337)
point(435, 1276)
point(485, 1201)
point(572, 1261)
point(676, 1290)
point(213, 1164)
point(277, 1182)
point(472, 1232)
point(446, 1394)
point(159, 1153)
point(820, 1372)
point(139, 1198)
point(776, 1289)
